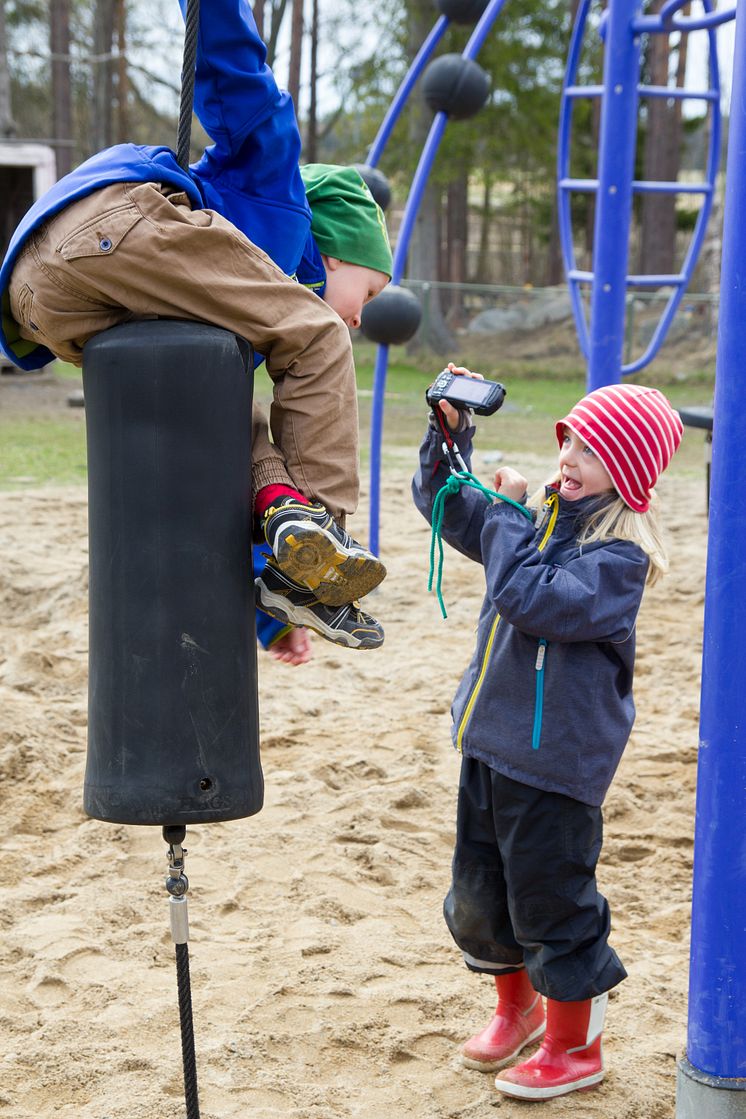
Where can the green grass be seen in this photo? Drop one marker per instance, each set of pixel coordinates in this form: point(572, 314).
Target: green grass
point(42, 451)
point(47, 447)
point(67, 372)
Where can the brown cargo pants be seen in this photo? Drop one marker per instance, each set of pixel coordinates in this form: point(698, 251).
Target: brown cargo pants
point(136, 251)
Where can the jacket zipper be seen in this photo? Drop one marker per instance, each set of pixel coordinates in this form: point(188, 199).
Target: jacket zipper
point(541, 653)
point(475, 690)
point(553, 503)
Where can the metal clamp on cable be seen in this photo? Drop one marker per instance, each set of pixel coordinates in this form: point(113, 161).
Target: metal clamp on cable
point(177, 884)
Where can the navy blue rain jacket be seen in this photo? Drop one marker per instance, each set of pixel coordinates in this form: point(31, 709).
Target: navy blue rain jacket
point(547, 697)
point(249, 175)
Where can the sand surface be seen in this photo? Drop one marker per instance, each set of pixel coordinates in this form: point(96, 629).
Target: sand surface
point(324, 982)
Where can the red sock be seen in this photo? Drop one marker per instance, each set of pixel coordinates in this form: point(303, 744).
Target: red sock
point(268, 494)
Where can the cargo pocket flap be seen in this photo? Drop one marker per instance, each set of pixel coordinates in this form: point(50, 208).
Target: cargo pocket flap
point(100, 237)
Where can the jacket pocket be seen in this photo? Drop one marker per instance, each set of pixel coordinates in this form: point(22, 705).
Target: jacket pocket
point(101, 235)
point(25, 303)
point(541, 654)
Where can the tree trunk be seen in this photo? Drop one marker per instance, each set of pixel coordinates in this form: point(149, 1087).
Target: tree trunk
point(59, 42)
point(7, 124)
point(277, 10)
point(103, 73)
point(424, 248)
point(662, 155)
point(457, 235)
point(259, 17)
point(312, 129)
point(296, 50)
point(122, 79)
point(483, 271)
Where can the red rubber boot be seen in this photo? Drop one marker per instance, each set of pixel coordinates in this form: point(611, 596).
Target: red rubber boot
point(569, 1058)
point(519, 1020)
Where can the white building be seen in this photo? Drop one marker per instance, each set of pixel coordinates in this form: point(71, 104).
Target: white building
point(27, 170)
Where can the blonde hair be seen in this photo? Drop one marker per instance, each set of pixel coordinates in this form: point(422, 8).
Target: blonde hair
point(613, 520)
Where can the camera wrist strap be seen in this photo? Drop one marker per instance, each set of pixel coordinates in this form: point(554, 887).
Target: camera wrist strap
point(453, 485)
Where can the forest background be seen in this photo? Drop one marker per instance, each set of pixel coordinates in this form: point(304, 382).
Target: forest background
point(83, 74)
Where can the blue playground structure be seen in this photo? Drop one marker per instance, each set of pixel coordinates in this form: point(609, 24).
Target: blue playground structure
point(711, 1077)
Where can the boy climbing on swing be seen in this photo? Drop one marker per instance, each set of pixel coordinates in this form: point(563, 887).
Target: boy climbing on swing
point(247, 240)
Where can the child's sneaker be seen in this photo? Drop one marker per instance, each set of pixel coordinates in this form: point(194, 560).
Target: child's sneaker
point(314, 551)
point(287, 601)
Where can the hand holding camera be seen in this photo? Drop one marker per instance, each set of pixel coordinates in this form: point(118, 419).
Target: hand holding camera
point(458, 390)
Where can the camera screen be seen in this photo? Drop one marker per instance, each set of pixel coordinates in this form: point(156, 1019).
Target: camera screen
point(469, 389)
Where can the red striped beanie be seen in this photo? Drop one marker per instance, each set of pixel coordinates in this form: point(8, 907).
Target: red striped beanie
point(633, 430)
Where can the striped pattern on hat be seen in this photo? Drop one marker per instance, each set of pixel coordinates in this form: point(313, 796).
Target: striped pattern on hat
point(633, 430)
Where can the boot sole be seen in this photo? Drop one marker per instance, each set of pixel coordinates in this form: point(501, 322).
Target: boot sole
point(277, 606)
point(495, 1066)
point(310, 555)
point(523, 1092)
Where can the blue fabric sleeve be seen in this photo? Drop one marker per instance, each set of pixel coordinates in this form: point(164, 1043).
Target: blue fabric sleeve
point(250, 174)
point(594, 596)
point(463, 514)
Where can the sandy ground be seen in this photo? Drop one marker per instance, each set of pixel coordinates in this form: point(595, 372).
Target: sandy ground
point(324, 981)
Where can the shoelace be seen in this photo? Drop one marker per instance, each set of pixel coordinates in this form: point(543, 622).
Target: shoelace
point(453, 485)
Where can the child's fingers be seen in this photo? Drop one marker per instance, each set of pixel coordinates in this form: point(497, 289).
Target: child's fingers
point(452, 415)
point(461, 370)
point(510, 483)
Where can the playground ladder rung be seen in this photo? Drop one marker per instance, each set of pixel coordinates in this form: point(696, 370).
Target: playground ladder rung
point(584, 91)
point(648, 280)
point(589, 186)
point(647, 91)
point(649, 187)
point(652, 281)
point(678, 94)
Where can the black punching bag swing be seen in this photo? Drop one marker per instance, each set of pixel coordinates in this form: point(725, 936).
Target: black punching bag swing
point(172, 710)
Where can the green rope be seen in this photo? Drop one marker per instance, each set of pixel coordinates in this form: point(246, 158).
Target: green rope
point(453, 485)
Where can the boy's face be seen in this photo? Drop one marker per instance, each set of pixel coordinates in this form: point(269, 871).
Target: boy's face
point(582, 474)
point(349, 287)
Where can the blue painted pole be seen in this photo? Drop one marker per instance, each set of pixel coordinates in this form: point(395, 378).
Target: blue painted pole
point(616, 164)
point(716, 1041)
point(376, 439)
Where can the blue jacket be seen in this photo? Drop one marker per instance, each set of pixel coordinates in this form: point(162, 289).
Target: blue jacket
point(547, 698)
point(249, 175)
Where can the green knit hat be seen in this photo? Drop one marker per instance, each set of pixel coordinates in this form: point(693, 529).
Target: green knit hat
point(346, 221)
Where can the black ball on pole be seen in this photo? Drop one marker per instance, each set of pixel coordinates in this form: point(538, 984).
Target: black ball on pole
point(462, 11)
point(376, 182)
point(455, 85)
point(392, 317)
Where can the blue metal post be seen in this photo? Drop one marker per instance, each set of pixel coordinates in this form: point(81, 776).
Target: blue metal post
point(376, 440)
point(616, 162)
point(712, 1077)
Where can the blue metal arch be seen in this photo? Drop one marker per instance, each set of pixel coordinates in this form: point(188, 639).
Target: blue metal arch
point(409, 217)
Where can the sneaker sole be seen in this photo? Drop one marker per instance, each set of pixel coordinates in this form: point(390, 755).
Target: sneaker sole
point(277, 606)
point(495, 1066)
point(310, 555)
point(523, 1092)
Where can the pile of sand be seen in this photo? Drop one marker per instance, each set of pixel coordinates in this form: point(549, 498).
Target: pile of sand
point(324, 981)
